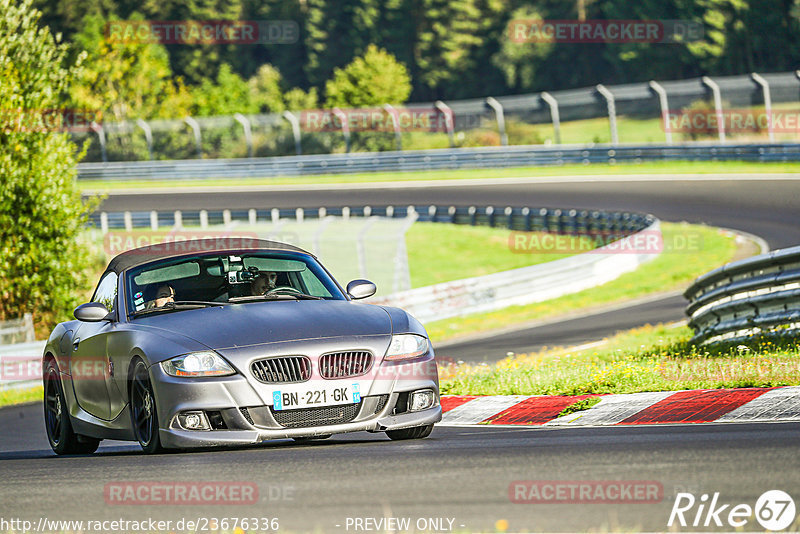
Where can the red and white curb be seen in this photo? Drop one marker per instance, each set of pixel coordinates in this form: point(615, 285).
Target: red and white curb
point(744, 405)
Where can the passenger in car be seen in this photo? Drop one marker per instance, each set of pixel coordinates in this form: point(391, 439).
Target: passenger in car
point(160, 295)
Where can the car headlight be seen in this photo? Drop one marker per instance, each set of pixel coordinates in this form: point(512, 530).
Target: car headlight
point(204, 363)
point(407, 347)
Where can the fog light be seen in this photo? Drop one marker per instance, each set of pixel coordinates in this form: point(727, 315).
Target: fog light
point(194, 421)
point(421, 400)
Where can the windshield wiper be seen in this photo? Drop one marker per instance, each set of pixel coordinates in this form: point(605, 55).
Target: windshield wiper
point(180, 305)
point(275, 296)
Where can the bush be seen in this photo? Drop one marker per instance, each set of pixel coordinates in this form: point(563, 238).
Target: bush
point(44, 267)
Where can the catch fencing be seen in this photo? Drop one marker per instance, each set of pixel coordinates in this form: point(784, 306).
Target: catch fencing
point(747, 297)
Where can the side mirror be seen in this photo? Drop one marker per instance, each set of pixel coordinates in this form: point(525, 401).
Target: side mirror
point(91, 312)
point(361, 289)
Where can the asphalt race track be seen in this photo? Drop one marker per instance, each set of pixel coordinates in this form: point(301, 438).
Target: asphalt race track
point(766, 207)
point(462, 474)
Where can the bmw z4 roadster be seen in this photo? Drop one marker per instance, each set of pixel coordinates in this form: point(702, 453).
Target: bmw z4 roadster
point(202, 343)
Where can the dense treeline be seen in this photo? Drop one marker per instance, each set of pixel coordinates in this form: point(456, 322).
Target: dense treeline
point(449, 48)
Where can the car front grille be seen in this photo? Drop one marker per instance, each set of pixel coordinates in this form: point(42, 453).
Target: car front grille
point(326, 415)
point(282, 370)
point(345, 364)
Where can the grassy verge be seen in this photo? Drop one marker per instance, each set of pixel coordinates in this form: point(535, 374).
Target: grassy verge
point(656, 167)
point(444, 252)
point(679, 264)
point(9, 397)
point(651, 358)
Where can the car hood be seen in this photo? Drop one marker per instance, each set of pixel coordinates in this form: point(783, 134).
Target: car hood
point(240, 325)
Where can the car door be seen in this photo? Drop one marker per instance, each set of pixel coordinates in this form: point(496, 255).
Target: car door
point(89, 362)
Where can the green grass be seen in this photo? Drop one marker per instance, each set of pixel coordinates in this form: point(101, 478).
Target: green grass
point(444, 252)
point(651, 358)
point(10, 397)
point(579, 406)
point(658, 167)
point(672, 269)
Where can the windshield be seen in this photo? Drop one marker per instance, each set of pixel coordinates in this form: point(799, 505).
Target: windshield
point(221, 279)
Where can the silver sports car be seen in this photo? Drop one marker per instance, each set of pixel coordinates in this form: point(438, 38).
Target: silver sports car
point(229, 342)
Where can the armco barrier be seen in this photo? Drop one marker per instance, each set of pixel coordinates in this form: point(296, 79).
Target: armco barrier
point(20, 365)
point(441, 159)
point(526, 285)
point(747, 297)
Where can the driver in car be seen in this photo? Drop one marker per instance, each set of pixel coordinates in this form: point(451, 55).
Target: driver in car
point(263, 282)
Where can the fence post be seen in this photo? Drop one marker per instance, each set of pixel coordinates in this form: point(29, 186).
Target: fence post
point(554, 115)
point(248, 134)
point(292, 118)
point(390, 109)
point(154, 220)
point(759, 80)
point(345, 127)
point(659, 90)
point(101, 136)
point(148, 135)
point(501, 119)
point(711, 84)
point(198, 140)
point(612, 112)
point(449, 125)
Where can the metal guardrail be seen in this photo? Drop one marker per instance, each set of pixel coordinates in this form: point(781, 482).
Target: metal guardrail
point(441, 159)
point(746, 297)
point(21, 365)
point(561, 221)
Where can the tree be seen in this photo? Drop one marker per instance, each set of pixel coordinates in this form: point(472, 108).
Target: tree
point(125, 78)
point(229, 94)
point(44, 267)
point(374, 79)
point(519, 60)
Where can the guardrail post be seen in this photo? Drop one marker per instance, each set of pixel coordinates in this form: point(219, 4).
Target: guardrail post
point(275, 213)
point(509, 211)
point(248, 134)
point(554, 114)
point(252, 216)
point(472, 211)
point(501, 120)
point(346, 213)
point(711, 84)
point(759, 80)
point(612, 111)
point(101, 136)
point(293, 120)
point(490, 215)
point(300, 214)
point(432, 213)
point(178, 218)
point(198, 140)
point(449, 125)
point(526, 213)
point(322, 213)
point(390, 109)
point(103, 222)
point(390, 211)
point(367, 211)
point(659, 90)
point(345, 127)
point(451, 212)
point(128, 221)
point(148, 136)
point(154, 220)
point(203, 219)
point(226, 217)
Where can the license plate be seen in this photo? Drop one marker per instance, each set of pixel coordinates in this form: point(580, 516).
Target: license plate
point(332, 395)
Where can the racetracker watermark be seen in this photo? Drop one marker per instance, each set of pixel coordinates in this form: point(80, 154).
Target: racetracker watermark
point(604, 31)
point(708, 121)
point(377, 120)
point(179, 241)
point(181, 493)
point(49, 120)
point(644, 242)
point(197, 32)
point(585, 492)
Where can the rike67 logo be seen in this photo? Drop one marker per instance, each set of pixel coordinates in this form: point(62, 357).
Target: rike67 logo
point(774, 510)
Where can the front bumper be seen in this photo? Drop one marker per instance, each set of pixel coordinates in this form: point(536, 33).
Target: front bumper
point(246, 418)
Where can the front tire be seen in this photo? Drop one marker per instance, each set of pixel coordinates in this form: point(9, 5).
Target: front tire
point(63, 440)
point(144, 416)
point(417, 432)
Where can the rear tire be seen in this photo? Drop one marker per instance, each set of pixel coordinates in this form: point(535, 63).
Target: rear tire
point(417, 432)
point(144, 416)
point(63, 440)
